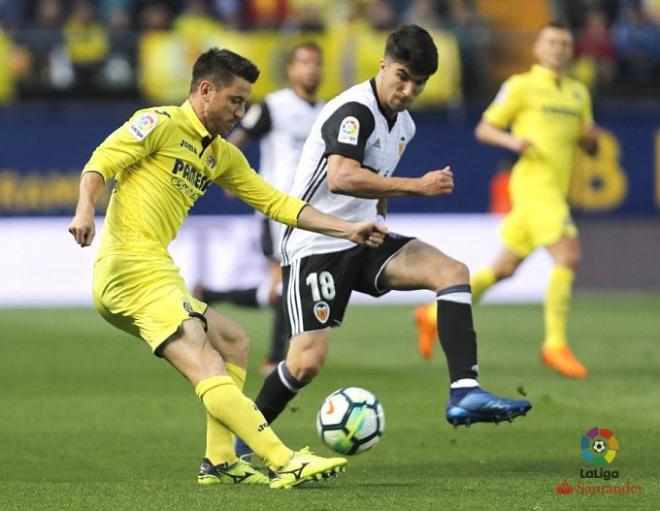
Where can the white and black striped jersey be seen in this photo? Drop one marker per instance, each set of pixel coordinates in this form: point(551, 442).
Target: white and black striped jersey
point(353, 125)
point(281, 124)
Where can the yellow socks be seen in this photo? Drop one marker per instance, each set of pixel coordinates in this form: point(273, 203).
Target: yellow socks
point(480, 282)
point(557, 300)
point(219, 440)
point(237, 373)
point(226, 403)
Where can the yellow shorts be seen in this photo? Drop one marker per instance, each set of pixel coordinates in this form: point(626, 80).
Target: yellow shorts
point(533, 224)
point(144, 296)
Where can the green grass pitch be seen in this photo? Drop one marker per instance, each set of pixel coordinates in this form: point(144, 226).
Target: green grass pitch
point(89, 420)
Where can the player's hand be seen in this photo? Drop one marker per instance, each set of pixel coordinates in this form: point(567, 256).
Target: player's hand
point(521, 145)
point(369, 234)
point(83, 229)
point(437, 182)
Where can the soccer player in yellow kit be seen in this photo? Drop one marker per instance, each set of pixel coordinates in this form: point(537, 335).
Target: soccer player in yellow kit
point(549, 115)
point(163, 160)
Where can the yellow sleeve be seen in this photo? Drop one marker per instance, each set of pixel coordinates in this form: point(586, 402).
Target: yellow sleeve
point(587, 112)
point(136, 139)
point(506, 104)
point(250, 187)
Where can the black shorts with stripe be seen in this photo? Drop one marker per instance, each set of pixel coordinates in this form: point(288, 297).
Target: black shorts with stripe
point(317, 287)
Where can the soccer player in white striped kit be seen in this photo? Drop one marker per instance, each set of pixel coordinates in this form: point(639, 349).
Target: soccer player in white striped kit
point(346, 170)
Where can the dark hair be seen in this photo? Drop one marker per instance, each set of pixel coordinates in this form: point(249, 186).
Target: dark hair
point(413, 46)
point(556, 24)
point(222, 66)
point(308, 45)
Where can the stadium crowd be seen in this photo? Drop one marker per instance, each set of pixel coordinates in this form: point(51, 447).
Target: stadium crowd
point(94, 48)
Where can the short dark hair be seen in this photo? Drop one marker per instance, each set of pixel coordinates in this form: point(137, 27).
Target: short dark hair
point(222, 66)
point(413, 46)
point(307, 45)
point(556, 24)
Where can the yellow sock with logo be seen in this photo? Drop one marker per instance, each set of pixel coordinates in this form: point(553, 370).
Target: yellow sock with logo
point(481, 282)
point(226, 403)
point(557, 300)
point(219, 440)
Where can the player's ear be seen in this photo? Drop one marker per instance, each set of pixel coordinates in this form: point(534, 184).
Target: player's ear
point(382, 64)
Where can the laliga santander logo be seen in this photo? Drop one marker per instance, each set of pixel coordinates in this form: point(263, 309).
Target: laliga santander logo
point(599, 446)
point(564, 488)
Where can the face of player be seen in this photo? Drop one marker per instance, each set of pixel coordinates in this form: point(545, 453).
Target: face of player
point(398, 87)
point(223, 107)
point(306, 70)
point(554, 48)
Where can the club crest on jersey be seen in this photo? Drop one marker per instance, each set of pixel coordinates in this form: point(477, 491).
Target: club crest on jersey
point(210, 161)
point(142, 126)
point(322, 311)
point(402, 145)
point(349, 129)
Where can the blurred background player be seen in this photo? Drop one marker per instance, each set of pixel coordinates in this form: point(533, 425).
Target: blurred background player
point(346, 168)
point(164, 160)
point(549, 115)
point(281, 124)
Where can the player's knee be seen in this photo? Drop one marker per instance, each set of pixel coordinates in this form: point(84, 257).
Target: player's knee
point(571, 259)
point(452, 273)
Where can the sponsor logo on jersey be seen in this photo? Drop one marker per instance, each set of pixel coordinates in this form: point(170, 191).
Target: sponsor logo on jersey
point(402, 145)
point(210, 161)
point(187, 145)
point(377, 144)
point(191, 174)
point(142, 126)
point(349, 129)
point(322, 311)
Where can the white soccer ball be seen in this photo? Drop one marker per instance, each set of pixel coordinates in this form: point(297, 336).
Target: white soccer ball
point(351, 420)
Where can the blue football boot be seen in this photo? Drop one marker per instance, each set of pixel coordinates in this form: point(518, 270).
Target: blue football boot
point(243, 450)
point(469, 405)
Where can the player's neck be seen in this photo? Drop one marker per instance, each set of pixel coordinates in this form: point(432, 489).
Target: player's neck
point(387, 111)
point(304, 94)
point(557, 71)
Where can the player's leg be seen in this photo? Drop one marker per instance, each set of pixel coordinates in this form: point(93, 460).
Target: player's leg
point(280, 330)
point(426, 317)
point(220, 464)
point(191, 353)
point(316, 292)
point(420, 266)
point(516, 239)
point(566, 254)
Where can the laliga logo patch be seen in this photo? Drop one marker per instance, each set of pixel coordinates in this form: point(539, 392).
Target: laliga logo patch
point(322, 311)
point(210, 161)
point(349, 130)
point(143, 126)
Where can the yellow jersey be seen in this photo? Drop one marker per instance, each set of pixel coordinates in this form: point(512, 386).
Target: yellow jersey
point(551, 112)
point(163, 160)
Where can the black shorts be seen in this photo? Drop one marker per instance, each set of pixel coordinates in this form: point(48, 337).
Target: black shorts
point(317, 287)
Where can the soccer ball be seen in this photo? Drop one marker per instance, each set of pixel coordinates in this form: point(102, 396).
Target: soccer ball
point(350, 420)
point(599, 446)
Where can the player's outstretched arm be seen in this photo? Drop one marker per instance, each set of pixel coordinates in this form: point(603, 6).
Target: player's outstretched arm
point(490, 134)
point(369, 234)
point(346, 176)
point(82, 226)
point(589, 139)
